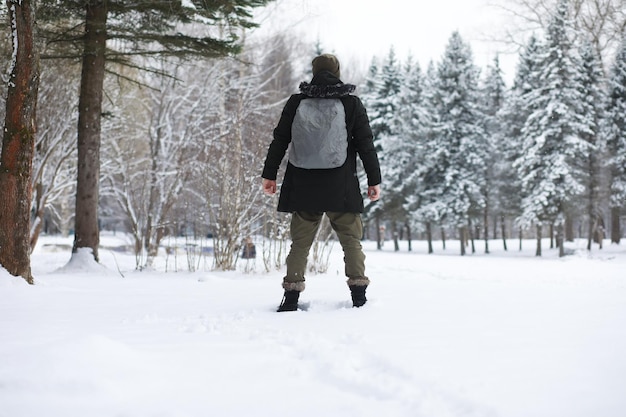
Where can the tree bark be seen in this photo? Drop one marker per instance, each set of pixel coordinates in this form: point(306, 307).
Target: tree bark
point(87, 233)
point(503, 226)
point(462, 239)
point(18, 143)
point(443, 238)
point(486, 223)
point(429, 237)
point(538, 252)
point(409, 238)
point(615, 225)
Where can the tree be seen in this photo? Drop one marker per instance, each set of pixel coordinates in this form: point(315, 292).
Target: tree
point(164, 28)
point(518, 107)
point(54, 164)
point(381, 101)
point(494, 91)
point(230, 184)
point(18, 142)
point(461, 134)
point(593, 102)
point(603, 22)
point(616, 141)
point(552, 134)
point(153, 153)
point(415, 121)
point(396, 101)
point(428, 179)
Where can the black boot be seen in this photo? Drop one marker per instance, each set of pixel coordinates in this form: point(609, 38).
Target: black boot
point(357, 286)
point(290, 301)
point(358, 295)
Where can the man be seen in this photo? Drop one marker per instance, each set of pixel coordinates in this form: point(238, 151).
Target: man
point(324, 127)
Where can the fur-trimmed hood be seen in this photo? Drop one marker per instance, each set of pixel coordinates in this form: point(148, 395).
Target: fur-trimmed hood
point(326, 85)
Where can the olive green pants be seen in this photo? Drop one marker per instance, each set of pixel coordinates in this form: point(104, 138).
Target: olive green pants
point(304, 225)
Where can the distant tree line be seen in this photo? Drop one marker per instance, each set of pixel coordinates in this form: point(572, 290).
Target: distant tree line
point(464, 154)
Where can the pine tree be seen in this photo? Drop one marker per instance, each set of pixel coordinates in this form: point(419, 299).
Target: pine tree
point(460, 131)
point(552, 133)
point(616, 141)
point(383, 105)
point(593, 101)
point(494, 91)
point(407, 155)
point(518, 107)
point(423, 179)
point(18, 142)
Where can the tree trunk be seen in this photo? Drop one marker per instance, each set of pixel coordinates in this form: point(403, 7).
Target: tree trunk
point(18, 143)
point(560, 239)
point(462, 239)
point(443, 238)
point(503, 226)
point(379, 236)
point(538, 252)
point(39, 203)
point(486, 231)
point(471, 233)
point(551, 230)
point(569, 229)
point(396, 243)
point(408, 237)
point(615, 226)
point(87, 233)
point(429, 237)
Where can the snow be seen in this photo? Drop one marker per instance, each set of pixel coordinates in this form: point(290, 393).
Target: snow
point(504, 334)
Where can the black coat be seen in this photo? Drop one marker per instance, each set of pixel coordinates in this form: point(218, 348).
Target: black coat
point(321, 190)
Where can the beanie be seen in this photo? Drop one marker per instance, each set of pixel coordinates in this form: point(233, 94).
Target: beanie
point(326, 62)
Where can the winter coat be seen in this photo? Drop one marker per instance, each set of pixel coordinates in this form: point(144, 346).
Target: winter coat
point(318, 180)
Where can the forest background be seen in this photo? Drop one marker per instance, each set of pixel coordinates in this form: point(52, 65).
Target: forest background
point(464, 155)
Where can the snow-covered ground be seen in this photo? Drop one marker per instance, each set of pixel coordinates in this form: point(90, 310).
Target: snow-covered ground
point(504, 334)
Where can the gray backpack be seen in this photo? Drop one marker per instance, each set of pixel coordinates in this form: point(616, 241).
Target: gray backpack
point(319, 137)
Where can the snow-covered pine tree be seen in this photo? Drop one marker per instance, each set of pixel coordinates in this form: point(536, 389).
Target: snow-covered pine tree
point(382, 107)
point(461, 134)
point(412, 118)
point(424, 178)
point(494, 96)
point(515, 112)
point(552, 133)
point(593, 100)
point(616, 140)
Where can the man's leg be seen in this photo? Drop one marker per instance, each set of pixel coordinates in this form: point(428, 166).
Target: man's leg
point(349, 229)
point(303, 228)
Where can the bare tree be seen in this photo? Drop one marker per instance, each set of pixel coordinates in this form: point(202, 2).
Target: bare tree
point(54, 170)
point(231, 186)
point(154, 154)
point(18, 142)
point(603, 22)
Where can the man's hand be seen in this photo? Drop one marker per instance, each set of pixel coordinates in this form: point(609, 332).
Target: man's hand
point(269, 186)
point(373, 192)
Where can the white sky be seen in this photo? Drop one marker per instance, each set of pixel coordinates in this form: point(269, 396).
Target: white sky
point(357, 30)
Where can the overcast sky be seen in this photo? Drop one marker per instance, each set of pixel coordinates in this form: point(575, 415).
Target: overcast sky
point(357, 30)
